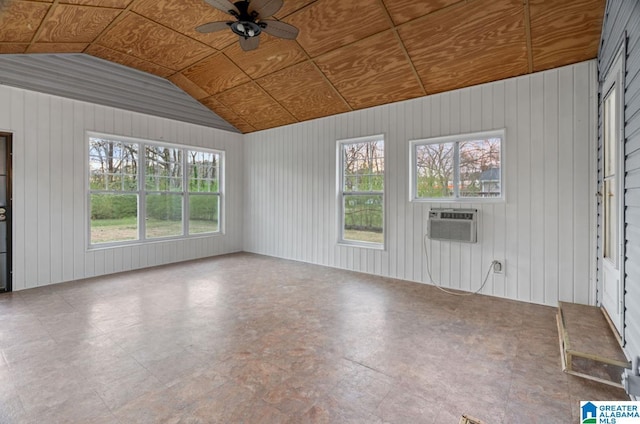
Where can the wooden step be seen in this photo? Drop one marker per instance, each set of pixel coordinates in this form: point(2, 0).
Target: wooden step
point(588, 345)
point(466, 419)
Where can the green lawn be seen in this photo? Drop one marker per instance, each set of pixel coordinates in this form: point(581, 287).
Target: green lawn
point(110, 230)
point(369, 236)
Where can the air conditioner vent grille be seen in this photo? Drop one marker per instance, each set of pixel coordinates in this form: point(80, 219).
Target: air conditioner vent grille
point(453, 225)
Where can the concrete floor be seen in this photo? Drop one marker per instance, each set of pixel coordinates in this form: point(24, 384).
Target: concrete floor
point(250, 339)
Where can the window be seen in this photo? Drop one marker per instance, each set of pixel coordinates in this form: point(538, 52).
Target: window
point(145, 191)
point(163, 192)
point(361, 191)
point(458, 168)
point(610, 141)
point(113, 190)
point(204, 192)
point(611, 178)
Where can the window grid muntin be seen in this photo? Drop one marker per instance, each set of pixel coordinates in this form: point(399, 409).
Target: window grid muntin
point(100, 171)
point(213, 169)
point(375, 161)
point(153, 169)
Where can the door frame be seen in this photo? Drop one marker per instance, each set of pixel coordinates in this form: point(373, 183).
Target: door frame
point(9, 165)
point(614, 76)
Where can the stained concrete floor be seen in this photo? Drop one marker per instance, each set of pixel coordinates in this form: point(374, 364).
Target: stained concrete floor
point(250, 339)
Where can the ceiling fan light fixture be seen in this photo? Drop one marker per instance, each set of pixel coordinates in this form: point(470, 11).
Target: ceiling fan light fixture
point(246, 29)
point(250, 21)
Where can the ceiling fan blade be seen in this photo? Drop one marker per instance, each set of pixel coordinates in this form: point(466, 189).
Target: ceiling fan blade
point(280, 29)
point(265, 8)
point(222, 5)
point(250, 43)
point(212, 27)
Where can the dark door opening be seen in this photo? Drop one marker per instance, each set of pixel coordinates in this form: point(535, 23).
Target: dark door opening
point(5, 212)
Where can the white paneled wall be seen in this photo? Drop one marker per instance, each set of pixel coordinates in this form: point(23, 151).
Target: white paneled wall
point(281, 188)
point(50, 201)
point(543, 230)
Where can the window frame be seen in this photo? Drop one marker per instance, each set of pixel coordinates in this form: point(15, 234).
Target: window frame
point(188, 193)
point(145, 192)
point(340, 196)
point(130, 192)
point(457, 139)
point(142, 191)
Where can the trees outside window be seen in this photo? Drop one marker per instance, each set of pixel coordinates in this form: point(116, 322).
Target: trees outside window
point(457, 167)
point(204, 192)
point(140, 191)
point(113, 190)
point(163, 191)
point(361, 191)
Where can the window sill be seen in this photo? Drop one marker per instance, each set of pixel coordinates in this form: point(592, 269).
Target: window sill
point(361, 244)
point(137, 243)
point(462, 201)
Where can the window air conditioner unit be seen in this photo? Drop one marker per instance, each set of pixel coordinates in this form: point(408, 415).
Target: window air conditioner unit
point(453, 225)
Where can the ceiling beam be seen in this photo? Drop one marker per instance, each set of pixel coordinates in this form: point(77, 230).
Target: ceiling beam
point(39, 30)
point(402, 46)
point(527, 29)
point(113, 23)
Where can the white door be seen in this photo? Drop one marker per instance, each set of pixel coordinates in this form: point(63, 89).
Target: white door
point(611, 190)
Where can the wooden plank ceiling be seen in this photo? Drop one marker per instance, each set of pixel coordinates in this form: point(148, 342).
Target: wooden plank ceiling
point(349, 55)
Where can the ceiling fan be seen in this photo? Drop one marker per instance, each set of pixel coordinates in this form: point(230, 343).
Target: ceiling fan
point(250, 21)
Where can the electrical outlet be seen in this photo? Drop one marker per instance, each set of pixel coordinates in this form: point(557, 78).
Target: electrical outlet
point(498, 266)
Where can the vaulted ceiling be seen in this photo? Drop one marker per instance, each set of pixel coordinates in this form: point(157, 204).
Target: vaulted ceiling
point(348, 55)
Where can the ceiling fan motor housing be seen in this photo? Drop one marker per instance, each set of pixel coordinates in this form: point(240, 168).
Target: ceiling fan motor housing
point(246, 25)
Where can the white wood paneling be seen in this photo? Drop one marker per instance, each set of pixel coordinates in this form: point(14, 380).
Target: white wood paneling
point(542, 230)
point(50, 200)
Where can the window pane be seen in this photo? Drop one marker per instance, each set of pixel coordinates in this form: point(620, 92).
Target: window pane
point(203, 213)
point(434, 170)
point(363, 218)
point(610, 221)
point(363, 166)
point(610, 132)
point(480, 168)
point(164, 215)
point(113, 217)
point(163, 169)
point(203, 172)
point(113, 165)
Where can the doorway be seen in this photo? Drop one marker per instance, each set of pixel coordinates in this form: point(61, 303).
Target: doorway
point(611, 191)
point(5, 212)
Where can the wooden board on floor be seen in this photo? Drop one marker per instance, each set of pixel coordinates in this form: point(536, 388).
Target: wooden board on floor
point(589, 332)
point(588, 345)
point(470, 420)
